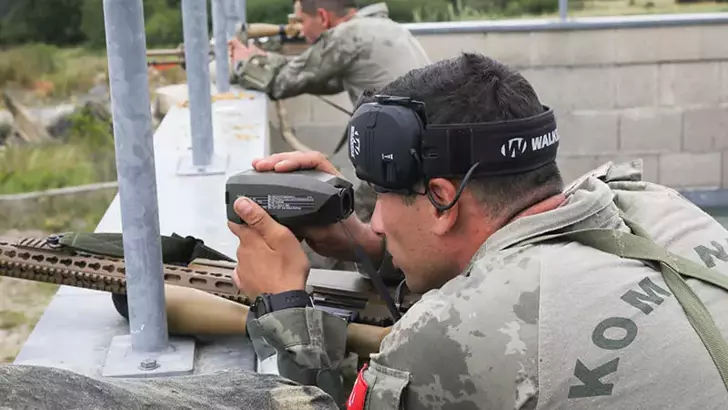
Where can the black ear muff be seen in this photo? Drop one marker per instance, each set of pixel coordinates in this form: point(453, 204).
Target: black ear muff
point(382, 140)
point(392, 146)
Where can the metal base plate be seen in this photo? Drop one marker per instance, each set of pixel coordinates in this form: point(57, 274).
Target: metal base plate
point(121, 361)
point(217, 165)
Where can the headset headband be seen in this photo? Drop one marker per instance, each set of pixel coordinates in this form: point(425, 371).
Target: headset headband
point(392, 146)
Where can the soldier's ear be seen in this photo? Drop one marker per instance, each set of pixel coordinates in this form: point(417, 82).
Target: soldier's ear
point(323, 16)
point(443, 192)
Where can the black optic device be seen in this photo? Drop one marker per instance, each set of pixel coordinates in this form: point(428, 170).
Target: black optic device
point(392, 146)
point(294, 199)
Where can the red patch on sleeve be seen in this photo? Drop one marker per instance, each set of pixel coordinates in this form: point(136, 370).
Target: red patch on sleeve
point(358, 396)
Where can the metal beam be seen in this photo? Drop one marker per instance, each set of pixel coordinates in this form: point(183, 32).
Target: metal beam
point(574, 23)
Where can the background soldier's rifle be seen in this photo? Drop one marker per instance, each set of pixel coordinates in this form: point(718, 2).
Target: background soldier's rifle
point(279, 33)
point(201, 298)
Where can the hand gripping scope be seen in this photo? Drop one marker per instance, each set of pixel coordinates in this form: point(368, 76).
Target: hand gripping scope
point(294, 199)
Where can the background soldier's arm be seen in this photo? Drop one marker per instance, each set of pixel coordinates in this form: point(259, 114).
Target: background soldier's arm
point(316, 71)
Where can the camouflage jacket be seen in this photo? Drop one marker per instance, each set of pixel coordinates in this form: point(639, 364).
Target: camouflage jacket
point(552, 324)
point(367, 51)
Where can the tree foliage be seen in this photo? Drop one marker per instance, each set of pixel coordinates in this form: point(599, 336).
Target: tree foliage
point(81, 22)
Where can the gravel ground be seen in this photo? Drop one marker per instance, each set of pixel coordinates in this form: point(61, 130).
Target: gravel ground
point(22, 303)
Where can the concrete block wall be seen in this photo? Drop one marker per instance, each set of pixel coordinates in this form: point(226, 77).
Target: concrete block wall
point(656, 93)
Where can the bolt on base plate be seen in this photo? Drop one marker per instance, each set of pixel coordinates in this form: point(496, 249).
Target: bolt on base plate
point(186, 167)
point(121, 361)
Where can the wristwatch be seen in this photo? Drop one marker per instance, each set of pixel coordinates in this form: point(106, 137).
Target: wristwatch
point(267, 302)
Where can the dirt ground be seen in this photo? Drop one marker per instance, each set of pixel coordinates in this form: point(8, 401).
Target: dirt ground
point(22, 303)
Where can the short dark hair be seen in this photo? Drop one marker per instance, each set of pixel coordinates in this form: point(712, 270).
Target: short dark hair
point(339, 7)
point(475, 88)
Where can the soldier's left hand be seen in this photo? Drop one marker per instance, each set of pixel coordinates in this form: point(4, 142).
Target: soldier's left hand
point(270, 258)
point(241, 52)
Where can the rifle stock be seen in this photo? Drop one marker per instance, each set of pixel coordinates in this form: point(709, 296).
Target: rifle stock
point(195, 312)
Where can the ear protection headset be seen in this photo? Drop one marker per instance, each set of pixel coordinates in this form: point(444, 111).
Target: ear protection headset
point(392, 146)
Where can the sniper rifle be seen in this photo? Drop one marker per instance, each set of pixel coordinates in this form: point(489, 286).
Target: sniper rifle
point(289, 33)
point(201, 297)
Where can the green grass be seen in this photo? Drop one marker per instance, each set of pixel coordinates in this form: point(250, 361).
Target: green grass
point(34, 168)
point(10, 319)
point(51, 73)
point(22, 305)
point(77, 212)
point(85, 155)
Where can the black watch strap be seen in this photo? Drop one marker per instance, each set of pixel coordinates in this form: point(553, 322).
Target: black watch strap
point(289, 299)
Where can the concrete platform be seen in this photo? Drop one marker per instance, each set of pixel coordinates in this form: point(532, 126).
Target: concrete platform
point(76, 329)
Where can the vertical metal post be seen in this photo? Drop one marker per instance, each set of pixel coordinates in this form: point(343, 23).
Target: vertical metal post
point(196, 45)
point(219, 26)
point(126, 52)
point(231, 17)
point(242, 11)
point(147, 349)
point(563, 9)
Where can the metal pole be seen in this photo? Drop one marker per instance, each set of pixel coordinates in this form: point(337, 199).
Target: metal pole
point(126, 52)
point(242, 11)
point(219, 26)
point(196, 45)
point(563, 9)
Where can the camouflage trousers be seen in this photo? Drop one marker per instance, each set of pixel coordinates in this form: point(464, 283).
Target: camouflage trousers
point(36, 387)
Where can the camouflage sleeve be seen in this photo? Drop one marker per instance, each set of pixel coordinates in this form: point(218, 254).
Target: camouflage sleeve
point(306, 345)
point(421, 364)
point(315, 71)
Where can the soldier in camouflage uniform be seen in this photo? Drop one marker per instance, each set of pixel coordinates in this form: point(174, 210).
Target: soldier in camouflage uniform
point(351, 51)
point(514, 315)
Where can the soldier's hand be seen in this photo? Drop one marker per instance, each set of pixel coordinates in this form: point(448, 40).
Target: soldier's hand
point(331, 241)
point(270, 258)
point(294, 161)
point(240, 52)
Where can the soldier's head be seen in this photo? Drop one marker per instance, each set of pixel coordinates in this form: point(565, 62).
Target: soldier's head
point(431, 245)
point(317, 16)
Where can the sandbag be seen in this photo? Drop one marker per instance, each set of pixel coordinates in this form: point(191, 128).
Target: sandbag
point(40, 388)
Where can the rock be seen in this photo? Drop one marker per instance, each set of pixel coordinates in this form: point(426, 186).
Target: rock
point(36, 387)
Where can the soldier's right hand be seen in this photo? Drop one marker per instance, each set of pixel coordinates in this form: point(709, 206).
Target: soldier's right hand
point(330, 241)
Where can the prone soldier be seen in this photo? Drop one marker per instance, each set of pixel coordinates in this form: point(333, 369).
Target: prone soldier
point(536, 294)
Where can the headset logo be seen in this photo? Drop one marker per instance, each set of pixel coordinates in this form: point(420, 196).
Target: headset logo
point(517, 146)
point(353, 142)
point(514, 147)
